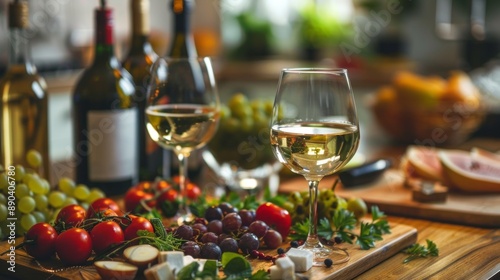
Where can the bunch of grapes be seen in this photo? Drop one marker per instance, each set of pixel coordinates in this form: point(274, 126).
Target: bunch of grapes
point(328, 202)
point(34, 200)
point(243, 134)
point(226, 229)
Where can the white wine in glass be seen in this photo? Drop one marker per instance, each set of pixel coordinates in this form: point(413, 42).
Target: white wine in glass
point(314, 131)
point(182, 111)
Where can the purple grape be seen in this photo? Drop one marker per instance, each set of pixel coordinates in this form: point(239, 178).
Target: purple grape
point(191, 248)
point(209, 237)
point(272, 239)
point(213, 213)
point(199, 229)
point(259, 228)
point(231, 222)
point(227, 208)
point(222, 237)
point(215, 226)
point(229, 245)
point(248, 242)
point(210, 251)
point(185, 232)
point(247, 216)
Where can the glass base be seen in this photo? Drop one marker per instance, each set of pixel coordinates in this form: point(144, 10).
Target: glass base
point(321, 252)
point(183, 218)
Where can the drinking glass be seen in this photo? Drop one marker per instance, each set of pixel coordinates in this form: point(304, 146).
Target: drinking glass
point(314, 131)
point(182, 111)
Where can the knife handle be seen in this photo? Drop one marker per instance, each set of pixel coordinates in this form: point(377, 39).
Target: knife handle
point(365, 173)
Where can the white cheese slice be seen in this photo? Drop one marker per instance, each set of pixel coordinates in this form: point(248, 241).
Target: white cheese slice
point(303, 259)
point(287, 267)
point(174, 258)
point(160, 271)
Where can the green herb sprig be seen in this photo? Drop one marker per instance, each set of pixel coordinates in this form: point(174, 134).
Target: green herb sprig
point(343, 224)
point(416, 251)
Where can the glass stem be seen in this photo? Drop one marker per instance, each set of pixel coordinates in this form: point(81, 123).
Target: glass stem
point(183, 167)
point(312, 238)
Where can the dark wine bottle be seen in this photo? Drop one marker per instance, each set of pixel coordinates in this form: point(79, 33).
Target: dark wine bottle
point(23, 93)
point(138, 63)
point(182, 46)
point(105, 117)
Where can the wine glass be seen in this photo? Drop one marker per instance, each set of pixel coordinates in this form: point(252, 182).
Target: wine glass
point(182, 112)
point(314, 131)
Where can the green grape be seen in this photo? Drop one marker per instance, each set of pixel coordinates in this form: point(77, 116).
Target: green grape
point(46, 186)
point(4, 183)
point(20, 172)
point(3, 199)
point(41, 201)
point(66, 185)
point(48, 213)
point(231, 125)
point(56, 199)
point(26, 204)
point(39, 216)
point(246, 124)
point(53, 215)
point(34, 158)
point(225, 112)
point(27, 221)
point(81, 192)
point(3, 212)
point(94, 194)
point(69, 201)
point(36, 185)
point(28, 177)
point(85, 205)
point(22, 190)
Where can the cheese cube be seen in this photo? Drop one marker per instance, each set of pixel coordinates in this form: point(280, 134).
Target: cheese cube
point(287, 267)
point(174, 258)
point(303, 259)
point(275, 273)
point(160, 271)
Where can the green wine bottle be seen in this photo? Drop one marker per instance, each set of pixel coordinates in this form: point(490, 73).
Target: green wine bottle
point(105, 117)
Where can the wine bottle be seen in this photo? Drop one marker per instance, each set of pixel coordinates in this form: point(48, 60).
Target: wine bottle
point(23, 110)
point(182, 46)
point(105, 117)
point(138, 63)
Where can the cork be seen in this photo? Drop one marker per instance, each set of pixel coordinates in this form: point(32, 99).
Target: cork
point(18, 14)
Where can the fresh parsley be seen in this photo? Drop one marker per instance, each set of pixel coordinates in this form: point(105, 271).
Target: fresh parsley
point(343, 224)
point(421, 251)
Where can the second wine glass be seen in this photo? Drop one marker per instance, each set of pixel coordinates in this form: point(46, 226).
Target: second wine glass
point(314, 131)
point(182, 111)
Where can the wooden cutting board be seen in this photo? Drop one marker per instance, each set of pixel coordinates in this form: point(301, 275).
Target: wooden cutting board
point(401, 236)
point(389, 194)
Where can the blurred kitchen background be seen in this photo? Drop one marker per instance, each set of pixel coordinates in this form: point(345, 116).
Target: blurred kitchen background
point(253, 39)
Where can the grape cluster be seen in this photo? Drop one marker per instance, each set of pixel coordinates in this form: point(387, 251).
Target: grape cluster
point(226, 229)
point(244, 126)
point(30, 198)
point(298, 204)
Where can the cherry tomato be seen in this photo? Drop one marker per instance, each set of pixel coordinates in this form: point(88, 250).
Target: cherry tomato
point(192, 191)
point(74, 246)
point(106, 234)
point(44, 238)
point(133, 199)
point(138, 223)
point(103, 204)
point(167, 195)
point(275, 217)
point(71, 215)
point(163, 185)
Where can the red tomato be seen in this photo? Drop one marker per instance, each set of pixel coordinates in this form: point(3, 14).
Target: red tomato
point(44, 238)
point(192, 191)
point(275, 217)
point(138, 223)
point(74, 246)
point(71, 215)
point(167, 195)
point(103, 204)
point(163, 185)
point(133, 199)
point(106, 234)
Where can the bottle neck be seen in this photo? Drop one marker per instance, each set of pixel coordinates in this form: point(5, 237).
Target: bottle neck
point(140, 27)
point(20, 55)
point(182, 41)
point(104, 50)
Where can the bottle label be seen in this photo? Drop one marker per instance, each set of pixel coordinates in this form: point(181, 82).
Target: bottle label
point(113, 137)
